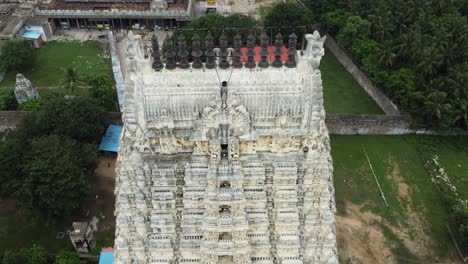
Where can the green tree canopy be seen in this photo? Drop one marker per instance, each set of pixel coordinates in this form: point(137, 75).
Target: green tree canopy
point(68, 257)
point(54, 182)
point(289, 18)
point(10, 164)
point(102, 89)
point(16, 55)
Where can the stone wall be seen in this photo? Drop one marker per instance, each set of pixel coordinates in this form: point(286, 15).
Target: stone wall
point(368, 124)
point(116, 69)
point(375, 92)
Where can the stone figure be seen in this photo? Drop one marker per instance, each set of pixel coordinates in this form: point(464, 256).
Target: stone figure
point(209, 53)
point(250, 63)
point(264, 41)
point(183, 53)
point(237, 54)
point(24, 89)
point(278, 63)
point(315, 50)
point(292, 52)
point(156, 54)
point(170, 54)
point(196, 52)
point(223, 52)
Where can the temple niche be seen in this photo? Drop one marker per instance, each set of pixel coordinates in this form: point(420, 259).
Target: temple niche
point(224, 161)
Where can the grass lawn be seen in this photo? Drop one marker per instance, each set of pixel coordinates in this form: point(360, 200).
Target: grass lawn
point(342, 94)
point(397, 164)
point(52, 60)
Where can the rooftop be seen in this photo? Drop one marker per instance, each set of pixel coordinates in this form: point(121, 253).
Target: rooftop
point(14, 19)
point(115, 5)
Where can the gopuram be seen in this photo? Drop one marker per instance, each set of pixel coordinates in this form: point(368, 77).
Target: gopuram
point(224, 159)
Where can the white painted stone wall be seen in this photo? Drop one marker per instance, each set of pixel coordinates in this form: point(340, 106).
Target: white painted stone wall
point(241, 174)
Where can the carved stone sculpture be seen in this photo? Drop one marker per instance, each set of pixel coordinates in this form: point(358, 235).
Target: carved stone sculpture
point(183, 53)
point(156, 54)
point(209, 53)
point(264, 40)
point(236, 62)
point(170, 54)
point(196, 52)
point(278, 63)
point(24, 89)
point(223, 53)
point(292, 52)
point(226, 167)
point(250, 63)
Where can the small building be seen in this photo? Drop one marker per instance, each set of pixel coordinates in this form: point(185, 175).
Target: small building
point(106, 256)
point(82, 237)
point(110, 141)
point(35, 37)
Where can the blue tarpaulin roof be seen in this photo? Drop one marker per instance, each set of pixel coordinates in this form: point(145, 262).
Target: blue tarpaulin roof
point(106, 258)
point(110, 142)
point(31, 34)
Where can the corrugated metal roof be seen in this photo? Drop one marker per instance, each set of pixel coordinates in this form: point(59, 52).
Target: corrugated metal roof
point(110, 141)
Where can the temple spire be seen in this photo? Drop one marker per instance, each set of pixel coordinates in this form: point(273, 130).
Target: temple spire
point(156, 54)
point(250, 63)
point(209, 53)
point(278, 63)
point(264, 51)
point(183, 53)
point(236, 63)
point(223, 53)
point(291, 62)
point(196, 53)
point(170, 54)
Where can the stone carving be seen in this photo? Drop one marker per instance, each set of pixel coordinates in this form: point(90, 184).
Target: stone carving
point(209, 53)
point(170, 54)
point(24, 89)
point(156, 54)
point(183, 53)
point(315, 50)
point(292, 53)
point(196, 52)
point(264, 40)
point(237, 54)
point(278, 63)
point(223, 53)
point(250, 63)
point(231, 172)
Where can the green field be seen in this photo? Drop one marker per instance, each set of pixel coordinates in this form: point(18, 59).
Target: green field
point(342, 94)
point(52, 60)
point(397, 159)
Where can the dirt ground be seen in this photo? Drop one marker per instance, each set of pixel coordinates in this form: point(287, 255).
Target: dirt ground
point(101, 201)
point(361, 238)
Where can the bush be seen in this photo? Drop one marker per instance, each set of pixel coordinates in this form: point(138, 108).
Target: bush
point(68, 257)
point(16, 55)
point(31, 105)
point(7, 100)
point(356, 28)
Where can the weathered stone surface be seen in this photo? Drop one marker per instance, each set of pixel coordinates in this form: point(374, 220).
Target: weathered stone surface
point(225, 166)
point(24, 89)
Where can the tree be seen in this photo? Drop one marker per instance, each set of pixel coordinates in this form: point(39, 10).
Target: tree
point(288, 18)
point(68, 257)
point(386, 54)
point(16, 55)
point(31, 105)
point(36, 255)
point(71, 79)
point(10, 162)
point(102, 89)
point(7, 100)
point(356, 28)
point(79, 118)
point(54, 182)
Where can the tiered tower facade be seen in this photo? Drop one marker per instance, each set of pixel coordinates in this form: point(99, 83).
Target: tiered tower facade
point(225, 164)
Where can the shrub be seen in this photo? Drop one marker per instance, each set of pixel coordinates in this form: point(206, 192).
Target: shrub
point(16, 55)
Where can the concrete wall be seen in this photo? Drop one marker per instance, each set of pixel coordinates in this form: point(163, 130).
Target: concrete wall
point(376, 93)
point(116, 69)
point(368, 124)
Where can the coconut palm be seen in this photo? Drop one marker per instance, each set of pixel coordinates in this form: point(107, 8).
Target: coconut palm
point(72, 79)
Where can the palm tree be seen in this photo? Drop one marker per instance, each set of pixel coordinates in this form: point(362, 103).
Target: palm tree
point(386, 54)
point(410, 42)
point(71, 79)
point(430, 63)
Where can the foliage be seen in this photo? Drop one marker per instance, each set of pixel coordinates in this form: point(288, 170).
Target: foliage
point(72, 79)
point(426, 38)
point(217, 24)
point(68, 257)
point(53, 180)
point(31, 105)
point(36, 255)
point(16, 55)
point(101, 88)
point(10, 162)
point(79, 118)
point(288, 17)
point(7, 100)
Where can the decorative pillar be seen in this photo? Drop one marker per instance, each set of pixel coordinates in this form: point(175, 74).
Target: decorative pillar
point(291, 62)
point(209, 53)
point(156, 54)
point(236, 63)
point(196, 53)
point(250, 52)
point(183, 53)
point(170, 54)
point(264, 51)
point(278, 63)
point(223, 53)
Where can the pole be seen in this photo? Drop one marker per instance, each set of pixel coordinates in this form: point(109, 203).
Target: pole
point(382, 195)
